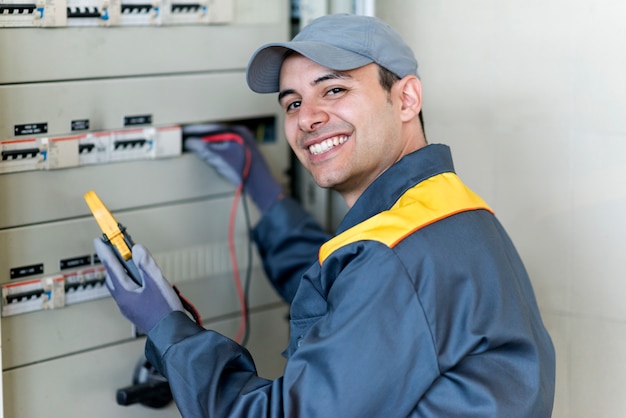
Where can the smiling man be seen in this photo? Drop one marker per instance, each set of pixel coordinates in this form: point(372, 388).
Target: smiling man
point(329, 123)
point(419, 306)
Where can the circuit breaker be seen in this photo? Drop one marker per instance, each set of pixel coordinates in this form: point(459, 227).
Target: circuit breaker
point(64, 13)
point(93, 96)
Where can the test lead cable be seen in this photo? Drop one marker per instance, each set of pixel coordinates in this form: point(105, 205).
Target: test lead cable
point(243, 331)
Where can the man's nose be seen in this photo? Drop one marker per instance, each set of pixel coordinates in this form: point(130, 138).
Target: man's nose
point(311, 117)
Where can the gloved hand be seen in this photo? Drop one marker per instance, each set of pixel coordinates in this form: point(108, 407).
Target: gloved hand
point(143, 305)
point(224, 147)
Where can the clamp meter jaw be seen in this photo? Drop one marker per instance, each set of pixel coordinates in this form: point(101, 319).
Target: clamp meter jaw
point(114, 235)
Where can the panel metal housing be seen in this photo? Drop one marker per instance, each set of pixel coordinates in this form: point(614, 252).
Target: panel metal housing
point(70, 359)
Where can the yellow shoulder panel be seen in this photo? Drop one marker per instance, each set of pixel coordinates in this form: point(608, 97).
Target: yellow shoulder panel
point(429, 201)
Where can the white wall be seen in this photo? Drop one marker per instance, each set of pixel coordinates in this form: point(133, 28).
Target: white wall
point(531, 96)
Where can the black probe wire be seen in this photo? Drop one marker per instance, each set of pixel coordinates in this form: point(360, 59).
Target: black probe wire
point(246, 293)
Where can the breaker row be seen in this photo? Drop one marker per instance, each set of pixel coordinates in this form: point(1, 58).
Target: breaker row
point(54, 291)
point(47, 153)
point(63, 13)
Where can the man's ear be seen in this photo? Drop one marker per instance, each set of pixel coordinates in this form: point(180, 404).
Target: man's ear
point(410, 88)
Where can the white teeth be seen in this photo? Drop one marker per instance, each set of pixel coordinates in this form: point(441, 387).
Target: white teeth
point(327, 144)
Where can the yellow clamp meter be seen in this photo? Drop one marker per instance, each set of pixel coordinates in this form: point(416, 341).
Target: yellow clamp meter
point(113, 234)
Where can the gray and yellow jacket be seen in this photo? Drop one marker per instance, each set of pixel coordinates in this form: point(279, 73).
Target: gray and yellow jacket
point(420, 306)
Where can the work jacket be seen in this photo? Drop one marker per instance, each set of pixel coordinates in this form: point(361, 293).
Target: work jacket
point(419, 306)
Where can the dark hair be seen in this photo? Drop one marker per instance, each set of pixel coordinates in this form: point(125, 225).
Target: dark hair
point(387, 80)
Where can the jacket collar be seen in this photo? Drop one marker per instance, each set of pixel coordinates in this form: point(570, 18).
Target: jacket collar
point(396, 180)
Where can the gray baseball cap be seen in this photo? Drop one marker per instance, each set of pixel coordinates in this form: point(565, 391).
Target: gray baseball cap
point(340, 42)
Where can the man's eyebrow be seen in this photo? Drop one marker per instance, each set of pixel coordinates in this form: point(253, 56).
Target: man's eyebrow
point(284, 93)
point(335, 75)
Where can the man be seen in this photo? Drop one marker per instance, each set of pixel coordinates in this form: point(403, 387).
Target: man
point(419, 306)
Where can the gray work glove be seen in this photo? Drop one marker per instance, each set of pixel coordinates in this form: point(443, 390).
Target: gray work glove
point(143, 305)
point(233, 152)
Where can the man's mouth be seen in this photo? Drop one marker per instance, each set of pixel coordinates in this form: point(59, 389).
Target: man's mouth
point(327, 144)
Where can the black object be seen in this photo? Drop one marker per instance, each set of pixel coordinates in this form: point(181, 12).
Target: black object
point(149, 388)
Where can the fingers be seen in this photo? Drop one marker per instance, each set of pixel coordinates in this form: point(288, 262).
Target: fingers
point(195, 144)
point(104, 252)
point(116, 272)
point(226, 157)
point(152, 276)
point(144, 260)
point(204, 129)
point(146, 265)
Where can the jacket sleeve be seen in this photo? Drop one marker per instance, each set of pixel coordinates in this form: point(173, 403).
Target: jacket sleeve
point(330, 373)
point(209, 375)
point(288, 240)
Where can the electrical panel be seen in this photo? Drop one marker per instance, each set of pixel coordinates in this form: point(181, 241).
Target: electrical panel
point(93, 96)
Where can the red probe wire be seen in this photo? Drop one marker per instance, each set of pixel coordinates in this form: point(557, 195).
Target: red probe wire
point(223, 137)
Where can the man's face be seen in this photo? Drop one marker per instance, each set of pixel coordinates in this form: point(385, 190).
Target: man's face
point(343, 126)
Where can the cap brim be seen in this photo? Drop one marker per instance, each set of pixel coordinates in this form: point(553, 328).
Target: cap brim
point(263, 73)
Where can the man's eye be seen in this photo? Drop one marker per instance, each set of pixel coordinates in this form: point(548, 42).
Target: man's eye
point(292, 105)
point(335, 90)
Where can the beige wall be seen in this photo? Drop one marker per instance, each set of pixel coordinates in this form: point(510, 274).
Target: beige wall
point(531, 96)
